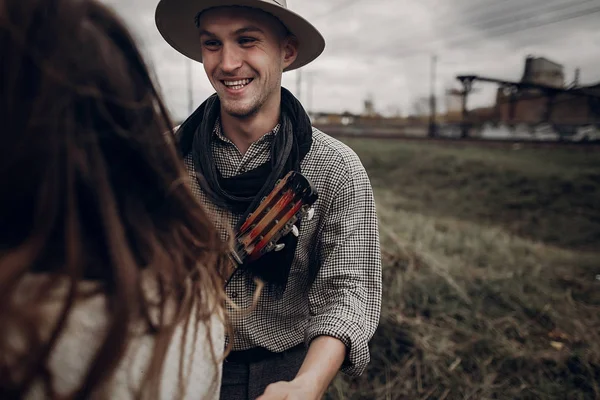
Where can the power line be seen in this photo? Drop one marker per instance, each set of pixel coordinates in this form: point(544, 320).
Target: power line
point(505, 13)
point(458, 41)
point(505, 24)
point(489, 7)
point(510, 18)
point(509, 29)
point(499, 20)
point(510, 21)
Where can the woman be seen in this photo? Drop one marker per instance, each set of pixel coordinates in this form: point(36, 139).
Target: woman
point(110, 283)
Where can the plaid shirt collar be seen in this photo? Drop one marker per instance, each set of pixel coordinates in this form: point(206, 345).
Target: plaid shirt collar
point(218, 132)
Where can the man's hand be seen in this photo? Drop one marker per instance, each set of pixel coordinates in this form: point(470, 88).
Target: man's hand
point(323, 360)
point(293, 390)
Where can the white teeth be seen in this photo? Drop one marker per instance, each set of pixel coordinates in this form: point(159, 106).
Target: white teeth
point(237, 84)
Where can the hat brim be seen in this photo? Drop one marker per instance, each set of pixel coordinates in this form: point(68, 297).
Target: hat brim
point(175, 20)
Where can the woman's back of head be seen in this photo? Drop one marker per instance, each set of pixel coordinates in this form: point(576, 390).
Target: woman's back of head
point(92, 188)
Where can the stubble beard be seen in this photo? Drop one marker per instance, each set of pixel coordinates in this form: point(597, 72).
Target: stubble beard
point(250, 108)
point(245, 111)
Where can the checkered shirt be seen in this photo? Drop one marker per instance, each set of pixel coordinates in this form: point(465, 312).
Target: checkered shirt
point(342, 241)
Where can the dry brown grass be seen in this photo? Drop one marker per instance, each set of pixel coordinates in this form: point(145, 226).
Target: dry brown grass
point(474, 311)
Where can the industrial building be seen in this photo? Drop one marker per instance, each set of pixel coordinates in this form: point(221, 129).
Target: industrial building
point(541, 97)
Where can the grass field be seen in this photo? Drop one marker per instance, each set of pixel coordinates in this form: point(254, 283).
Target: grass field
point(491, 257)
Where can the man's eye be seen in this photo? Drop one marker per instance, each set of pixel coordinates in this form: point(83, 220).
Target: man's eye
point(247, 40)
point(211, 43)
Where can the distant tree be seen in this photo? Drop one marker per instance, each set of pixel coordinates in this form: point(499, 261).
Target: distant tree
point(393, 111)
point(420, 107)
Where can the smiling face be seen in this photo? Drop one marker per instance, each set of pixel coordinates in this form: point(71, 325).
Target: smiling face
point(244, 53)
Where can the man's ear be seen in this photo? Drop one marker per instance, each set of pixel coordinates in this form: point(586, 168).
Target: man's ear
point(290, 50)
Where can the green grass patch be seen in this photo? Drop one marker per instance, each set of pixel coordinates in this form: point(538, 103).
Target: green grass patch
point(550, 195)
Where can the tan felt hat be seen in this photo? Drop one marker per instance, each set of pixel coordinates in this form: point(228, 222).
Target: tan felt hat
point(175, 20)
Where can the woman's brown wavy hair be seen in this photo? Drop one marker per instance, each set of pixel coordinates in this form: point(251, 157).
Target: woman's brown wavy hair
point(92, 190)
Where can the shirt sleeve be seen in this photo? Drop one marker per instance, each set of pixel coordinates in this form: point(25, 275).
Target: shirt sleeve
point(345, 298)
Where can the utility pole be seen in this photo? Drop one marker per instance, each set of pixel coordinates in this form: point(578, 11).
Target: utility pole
point(299, 84)
point(467, 82)
point(432, 99)
point(189, 85)
point(309, 78)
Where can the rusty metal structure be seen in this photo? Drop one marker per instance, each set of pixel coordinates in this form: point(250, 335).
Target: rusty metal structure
point(527, 90)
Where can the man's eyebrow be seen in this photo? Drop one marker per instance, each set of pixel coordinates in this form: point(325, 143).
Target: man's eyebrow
point(249, 29)
point(245, 29)
point(204, 32)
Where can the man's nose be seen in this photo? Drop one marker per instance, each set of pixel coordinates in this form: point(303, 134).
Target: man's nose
point(231, 58)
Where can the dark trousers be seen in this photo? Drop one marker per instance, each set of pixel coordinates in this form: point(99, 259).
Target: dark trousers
point(247, 379)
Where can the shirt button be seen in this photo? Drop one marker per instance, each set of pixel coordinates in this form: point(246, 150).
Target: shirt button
point(233, 295)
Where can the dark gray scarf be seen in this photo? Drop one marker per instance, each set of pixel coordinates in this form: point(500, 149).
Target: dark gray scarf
point(242, 193)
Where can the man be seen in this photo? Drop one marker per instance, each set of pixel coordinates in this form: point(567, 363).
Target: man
point(322, 299)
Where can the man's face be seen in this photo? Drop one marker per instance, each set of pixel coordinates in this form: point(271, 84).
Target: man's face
point(244, 52)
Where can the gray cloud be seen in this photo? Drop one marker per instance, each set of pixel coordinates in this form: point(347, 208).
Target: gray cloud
point(383, 48)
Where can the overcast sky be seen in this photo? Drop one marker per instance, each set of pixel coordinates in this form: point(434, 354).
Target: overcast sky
point(383, 48)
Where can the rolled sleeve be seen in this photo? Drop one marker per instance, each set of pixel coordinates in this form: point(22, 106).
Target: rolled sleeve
point(345, 298)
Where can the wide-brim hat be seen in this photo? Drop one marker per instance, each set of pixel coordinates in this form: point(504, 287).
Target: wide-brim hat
point(176, 22)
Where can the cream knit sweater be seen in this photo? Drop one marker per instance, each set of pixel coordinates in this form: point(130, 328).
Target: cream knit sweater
point(80, 340)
